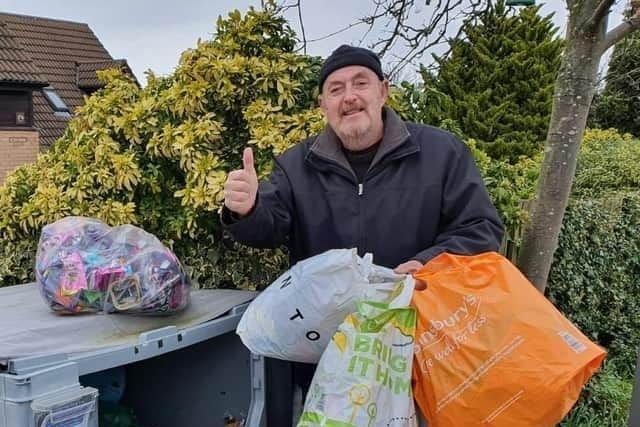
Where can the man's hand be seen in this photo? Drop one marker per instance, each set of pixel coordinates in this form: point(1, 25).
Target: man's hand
point(411, 267)
point(241, 188)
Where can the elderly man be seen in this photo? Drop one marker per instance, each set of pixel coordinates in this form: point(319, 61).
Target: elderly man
point(401, 191)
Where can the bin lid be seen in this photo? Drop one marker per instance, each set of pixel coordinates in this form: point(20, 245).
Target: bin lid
point(29, 328)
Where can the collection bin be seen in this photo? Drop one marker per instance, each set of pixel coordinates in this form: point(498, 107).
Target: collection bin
point(193, 376)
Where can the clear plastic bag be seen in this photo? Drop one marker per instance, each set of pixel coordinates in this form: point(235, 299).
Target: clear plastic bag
point(83, 265)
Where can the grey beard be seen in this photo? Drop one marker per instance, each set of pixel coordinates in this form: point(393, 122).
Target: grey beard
point(354, 139)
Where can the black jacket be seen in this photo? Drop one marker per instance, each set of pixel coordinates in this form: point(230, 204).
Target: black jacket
point(421, 196)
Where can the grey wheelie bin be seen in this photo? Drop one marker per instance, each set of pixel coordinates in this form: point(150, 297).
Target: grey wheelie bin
point(189, 369)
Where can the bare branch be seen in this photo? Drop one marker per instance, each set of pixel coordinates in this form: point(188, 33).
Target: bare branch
point(621, 31)
point(342, 30)
point(601, 11)
point(371, 24)
point(631, 77)
point(418, 38)
point(410, 28)
point(438, 39)
point(304, 37)
point(284, 7)
point(400, 16)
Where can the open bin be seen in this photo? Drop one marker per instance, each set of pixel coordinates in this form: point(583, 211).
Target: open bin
point(187, 376)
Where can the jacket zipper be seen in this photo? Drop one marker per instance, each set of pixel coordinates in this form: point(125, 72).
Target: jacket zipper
point(361, 232)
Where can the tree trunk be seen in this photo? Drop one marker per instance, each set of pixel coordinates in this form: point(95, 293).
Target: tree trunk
point(573, 93)
point(587, 40)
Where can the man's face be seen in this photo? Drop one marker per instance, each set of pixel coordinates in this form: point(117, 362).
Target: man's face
point(351, 100)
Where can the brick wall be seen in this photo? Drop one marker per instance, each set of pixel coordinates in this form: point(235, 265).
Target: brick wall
point(17, 147)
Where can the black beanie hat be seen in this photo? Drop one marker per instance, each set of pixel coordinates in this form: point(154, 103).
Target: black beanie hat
point(347, 55)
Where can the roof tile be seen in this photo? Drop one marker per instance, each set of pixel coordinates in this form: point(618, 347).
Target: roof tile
point(16, 65)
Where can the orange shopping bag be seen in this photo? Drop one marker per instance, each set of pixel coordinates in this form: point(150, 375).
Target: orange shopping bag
point(491, 350)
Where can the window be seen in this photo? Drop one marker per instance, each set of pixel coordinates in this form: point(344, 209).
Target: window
point(15, 108)
point(54, 100)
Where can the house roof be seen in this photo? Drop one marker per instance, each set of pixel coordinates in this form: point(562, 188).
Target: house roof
point(16, 67)
point(64, 54)
point(86, 77)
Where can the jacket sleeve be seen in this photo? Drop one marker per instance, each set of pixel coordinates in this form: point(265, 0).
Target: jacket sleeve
point(269, 223)
point(469, 223)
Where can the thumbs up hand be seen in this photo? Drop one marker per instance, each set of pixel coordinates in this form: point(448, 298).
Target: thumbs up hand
point(241, 187)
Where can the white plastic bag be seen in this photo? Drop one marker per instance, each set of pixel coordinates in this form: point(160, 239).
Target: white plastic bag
point(364, 376)
point(296, 316)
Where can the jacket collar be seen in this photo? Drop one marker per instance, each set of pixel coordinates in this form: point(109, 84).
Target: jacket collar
point(328, 145)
